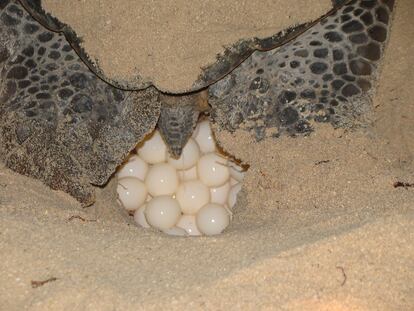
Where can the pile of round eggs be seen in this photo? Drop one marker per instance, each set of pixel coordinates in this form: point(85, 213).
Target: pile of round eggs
point(191, 195)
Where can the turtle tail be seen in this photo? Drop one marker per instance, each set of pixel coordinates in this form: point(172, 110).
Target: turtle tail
point(178, 118)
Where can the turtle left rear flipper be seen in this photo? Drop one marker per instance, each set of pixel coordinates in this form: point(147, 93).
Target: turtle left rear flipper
point(327, 74)
point(58, 121)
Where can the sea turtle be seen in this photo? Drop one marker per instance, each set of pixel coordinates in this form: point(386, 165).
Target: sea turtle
point(62, 124)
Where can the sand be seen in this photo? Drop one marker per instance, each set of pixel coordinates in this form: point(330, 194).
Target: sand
point(319, 226)
point(169, 41)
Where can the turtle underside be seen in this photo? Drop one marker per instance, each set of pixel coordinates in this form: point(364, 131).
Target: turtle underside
point(62, 124)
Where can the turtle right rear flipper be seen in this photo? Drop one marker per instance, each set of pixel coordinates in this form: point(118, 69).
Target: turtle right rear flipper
point(326, 75)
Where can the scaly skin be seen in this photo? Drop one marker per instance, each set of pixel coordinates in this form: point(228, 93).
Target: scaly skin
point(327, 74)
point(178, 118)
point(58, 121)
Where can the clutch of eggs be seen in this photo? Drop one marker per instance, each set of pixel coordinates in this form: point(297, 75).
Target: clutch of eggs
point(192, 195)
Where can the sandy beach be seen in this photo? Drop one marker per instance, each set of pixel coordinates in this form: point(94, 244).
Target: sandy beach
point(324, 222)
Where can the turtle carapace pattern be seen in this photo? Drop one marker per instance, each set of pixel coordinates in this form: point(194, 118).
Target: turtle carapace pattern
point(59, 122)
point(327, 74)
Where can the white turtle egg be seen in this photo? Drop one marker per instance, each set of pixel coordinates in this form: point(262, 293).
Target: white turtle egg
point(233, 181)
point(219, 195)
point(236, 171)
point(135, 167)
point(188, 223)
point(175, 231)
point(163, 212)
point(213, 170)
point(188, 158)
point(233, 195)
point(162, 179)
point(192, 195)
point(153, 150)
point(204, 137)
point(131, 192)
point(139, 217)
point(189, 174)
point(212, 219)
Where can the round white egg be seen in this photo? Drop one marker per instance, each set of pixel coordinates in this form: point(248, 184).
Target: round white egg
point(135, 167)
point(233, 195)
point(204, 137)
point(192, 195)
point(162, 212)
point(220, 194)
point(131, 192)
point(162, 179)
point(189, 156)
point(189, 174)
point(188, 223)
point(212, 219)
point(213, 170)
point(139, 217)
point(153, 150)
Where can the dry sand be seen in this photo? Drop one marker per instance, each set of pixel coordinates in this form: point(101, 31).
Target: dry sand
point(169, 41)
point(320, 226)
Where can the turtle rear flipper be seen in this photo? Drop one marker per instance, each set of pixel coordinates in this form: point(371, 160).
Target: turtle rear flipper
point(326, 75)
point(58, 121)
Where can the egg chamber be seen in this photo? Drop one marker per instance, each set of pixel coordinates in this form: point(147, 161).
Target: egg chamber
point(191, 195)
